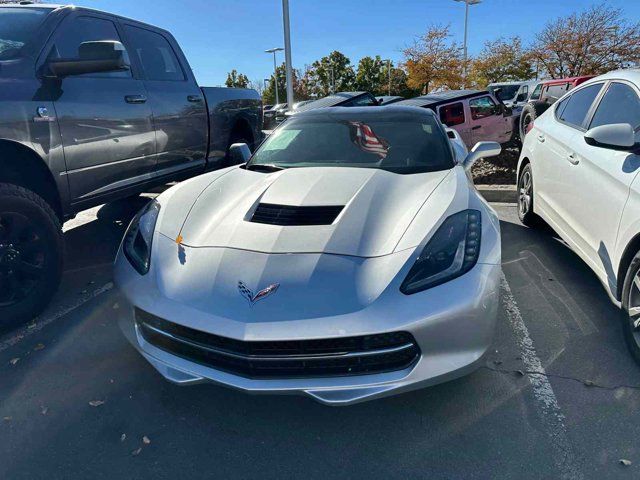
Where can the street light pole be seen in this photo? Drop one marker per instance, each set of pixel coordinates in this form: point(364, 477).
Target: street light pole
point(287, 52)
point(466, 23)
point(275, 70)
point(389, 72)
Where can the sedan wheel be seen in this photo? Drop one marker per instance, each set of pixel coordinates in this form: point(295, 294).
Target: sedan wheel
point(525, 196)
point(631, 303)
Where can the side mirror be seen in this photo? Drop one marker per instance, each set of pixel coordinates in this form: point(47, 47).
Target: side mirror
point(93, 57)
point(617, 136)
point(481, 150)
point(239, 153)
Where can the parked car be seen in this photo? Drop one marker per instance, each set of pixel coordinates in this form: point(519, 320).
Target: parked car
point(476, 114)
point(266, 107)
point(388, 99)
point(578, 171)
point(281, 114)
point(545, 94)
point(335, 263)
point(512, 94)
point(269, 116)
point(95, 107)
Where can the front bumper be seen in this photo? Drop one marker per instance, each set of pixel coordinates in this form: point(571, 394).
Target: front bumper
point(453, 325)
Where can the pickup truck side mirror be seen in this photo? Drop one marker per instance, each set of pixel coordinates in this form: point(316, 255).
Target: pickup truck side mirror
point(481, 150)
point(93, 57)
point(616, 136)
point(239, 153)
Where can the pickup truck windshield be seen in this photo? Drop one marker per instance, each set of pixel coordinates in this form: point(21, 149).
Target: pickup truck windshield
point(397, 145)
point(17, 27)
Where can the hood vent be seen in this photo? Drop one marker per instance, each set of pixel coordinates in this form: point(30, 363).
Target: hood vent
point(287, 215)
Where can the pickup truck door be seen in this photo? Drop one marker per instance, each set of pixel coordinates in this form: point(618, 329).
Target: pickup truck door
point(105, 124)
point(177, 103)
point(487, 121)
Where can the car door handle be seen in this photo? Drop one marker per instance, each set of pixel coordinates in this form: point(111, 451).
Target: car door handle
point(477, 127)
point(194, 98)
point(572, 159)
point(135, 98)
point(541, 138)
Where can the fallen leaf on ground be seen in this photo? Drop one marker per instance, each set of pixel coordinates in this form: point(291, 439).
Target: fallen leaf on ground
point(146, 440)
point(13, 361)
point(137, 451)
point(123, 437)
point(625, 462)
point(96, 403)
point(589, 383)
point(39, 346)
point(44, 410)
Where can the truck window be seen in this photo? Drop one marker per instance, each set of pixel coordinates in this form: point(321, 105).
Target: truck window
point(452, 115)
point(482, 107)
point(78, 30)
point(17, 27)
point(155, 54)
point(535, 95)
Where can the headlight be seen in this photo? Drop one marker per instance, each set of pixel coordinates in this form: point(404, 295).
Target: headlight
point(139, 236)
point(451, 252)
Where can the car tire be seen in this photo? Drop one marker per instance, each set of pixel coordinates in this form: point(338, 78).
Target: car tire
point(31, 254)
point(529, 113)
point(525, 197)
point(631, 308)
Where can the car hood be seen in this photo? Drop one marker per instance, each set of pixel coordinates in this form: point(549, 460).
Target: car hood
point(378, 208)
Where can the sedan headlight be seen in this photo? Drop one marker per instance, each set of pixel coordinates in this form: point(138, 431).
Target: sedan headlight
point(139, 237)
point(451, 252)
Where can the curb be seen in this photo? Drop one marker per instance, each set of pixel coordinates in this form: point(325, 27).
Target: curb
point(498, 193)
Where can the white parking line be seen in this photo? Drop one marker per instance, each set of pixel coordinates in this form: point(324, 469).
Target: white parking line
point(545, 399)
point(40, 322)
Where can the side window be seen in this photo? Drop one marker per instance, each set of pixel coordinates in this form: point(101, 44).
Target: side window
point(364, 101)
point(578, 105)
point(620, 104)
point(482, 107)
point(78, 30)
point(452, 115)
point(155, 54)
point(535, 95)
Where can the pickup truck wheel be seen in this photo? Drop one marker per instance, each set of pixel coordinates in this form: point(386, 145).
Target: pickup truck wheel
point(31, 253)
point(631, 307)
point(529, 113)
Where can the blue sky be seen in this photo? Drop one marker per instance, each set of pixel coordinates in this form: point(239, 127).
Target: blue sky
point(218, 35)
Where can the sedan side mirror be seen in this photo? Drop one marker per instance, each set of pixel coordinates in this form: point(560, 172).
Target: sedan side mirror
point(93, 57)
point(616, 136)
point(481, 150)
point(239, 153)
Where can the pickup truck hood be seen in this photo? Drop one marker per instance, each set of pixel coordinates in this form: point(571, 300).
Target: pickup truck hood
point(378, 207)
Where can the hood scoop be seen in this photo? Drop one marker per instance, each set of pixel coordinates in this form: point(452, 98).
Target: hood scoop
point(290, 215)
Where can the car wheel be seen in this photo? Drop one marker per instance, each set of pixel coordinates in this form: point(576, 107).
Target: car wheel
point(631, 308)
point(525, 197)
point(31, 253)
point(529, 113)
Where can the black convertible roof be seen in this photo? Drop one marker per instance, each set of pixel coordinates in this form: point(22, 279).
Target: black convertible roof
point(330, 101)
point(434, 99)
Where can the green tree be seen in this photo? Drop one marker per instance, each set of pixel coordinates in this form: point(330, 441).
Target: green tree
point(236, 80)
point(370, 75)
point(399, 84)
point(333, 73)
point(299, 90)
point(501, 60)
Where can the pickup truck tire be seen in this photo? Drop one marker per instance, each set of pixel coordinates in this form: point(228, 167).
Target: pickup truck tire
point(31, 254)
point(630, 302)
point(529, 113)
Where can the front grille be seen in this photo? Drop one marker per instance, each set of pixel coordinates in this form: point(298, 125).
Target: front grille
point(330, 357)
point(287, 215)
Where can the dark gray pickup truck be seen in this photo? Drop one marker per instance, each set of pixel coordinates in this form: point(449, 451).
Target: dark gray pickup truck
point(94, 107)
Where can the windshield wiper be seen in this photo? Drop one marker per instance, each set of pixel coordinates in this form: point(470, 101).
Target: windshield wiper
point(265, 167)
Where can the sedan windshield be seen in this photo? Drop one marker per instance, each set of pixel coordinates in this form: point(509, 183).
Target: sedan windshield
point(398, 144)
point(505, 92)
point(17, 27)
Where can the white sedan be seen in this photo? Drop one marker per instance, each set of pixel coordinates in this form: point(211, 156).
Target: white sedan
point(350, 258)
point(578, 170)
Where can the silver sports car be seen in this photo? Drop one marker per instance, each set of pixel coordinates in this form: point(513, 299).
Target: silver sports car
point(348, 259)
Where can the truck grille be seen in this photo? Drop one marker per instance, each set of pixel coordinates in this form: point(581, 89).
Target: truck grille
point(330, 357)
point(287, 215)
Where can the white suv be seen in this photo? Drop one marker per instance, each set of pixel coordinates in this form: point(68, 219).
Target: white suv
point(578, 170)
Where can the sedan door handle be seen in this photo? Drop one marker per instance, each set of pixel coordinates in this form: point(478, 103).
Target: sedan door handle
point(572, 159)
point(541, 138)
point(477, 127)
point(135, 98)
point(194, 98)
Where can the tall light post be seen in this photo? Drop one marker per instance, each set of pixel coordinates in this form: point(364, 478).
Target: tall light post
point(466, 23)
point(275, 70)
point(287, 51)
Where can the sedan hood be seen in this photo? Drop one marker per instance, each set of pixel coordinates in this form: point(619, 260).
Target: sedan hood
point(377, 207)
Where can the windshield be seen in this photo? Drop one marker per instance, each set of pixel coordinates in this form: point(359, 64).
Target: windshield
point(17, 27)
point(507, 92)
point(397, 144)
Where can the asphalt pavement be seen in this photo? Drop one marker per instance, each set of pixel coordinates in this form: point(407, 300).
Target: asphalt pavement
point(558, 397)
